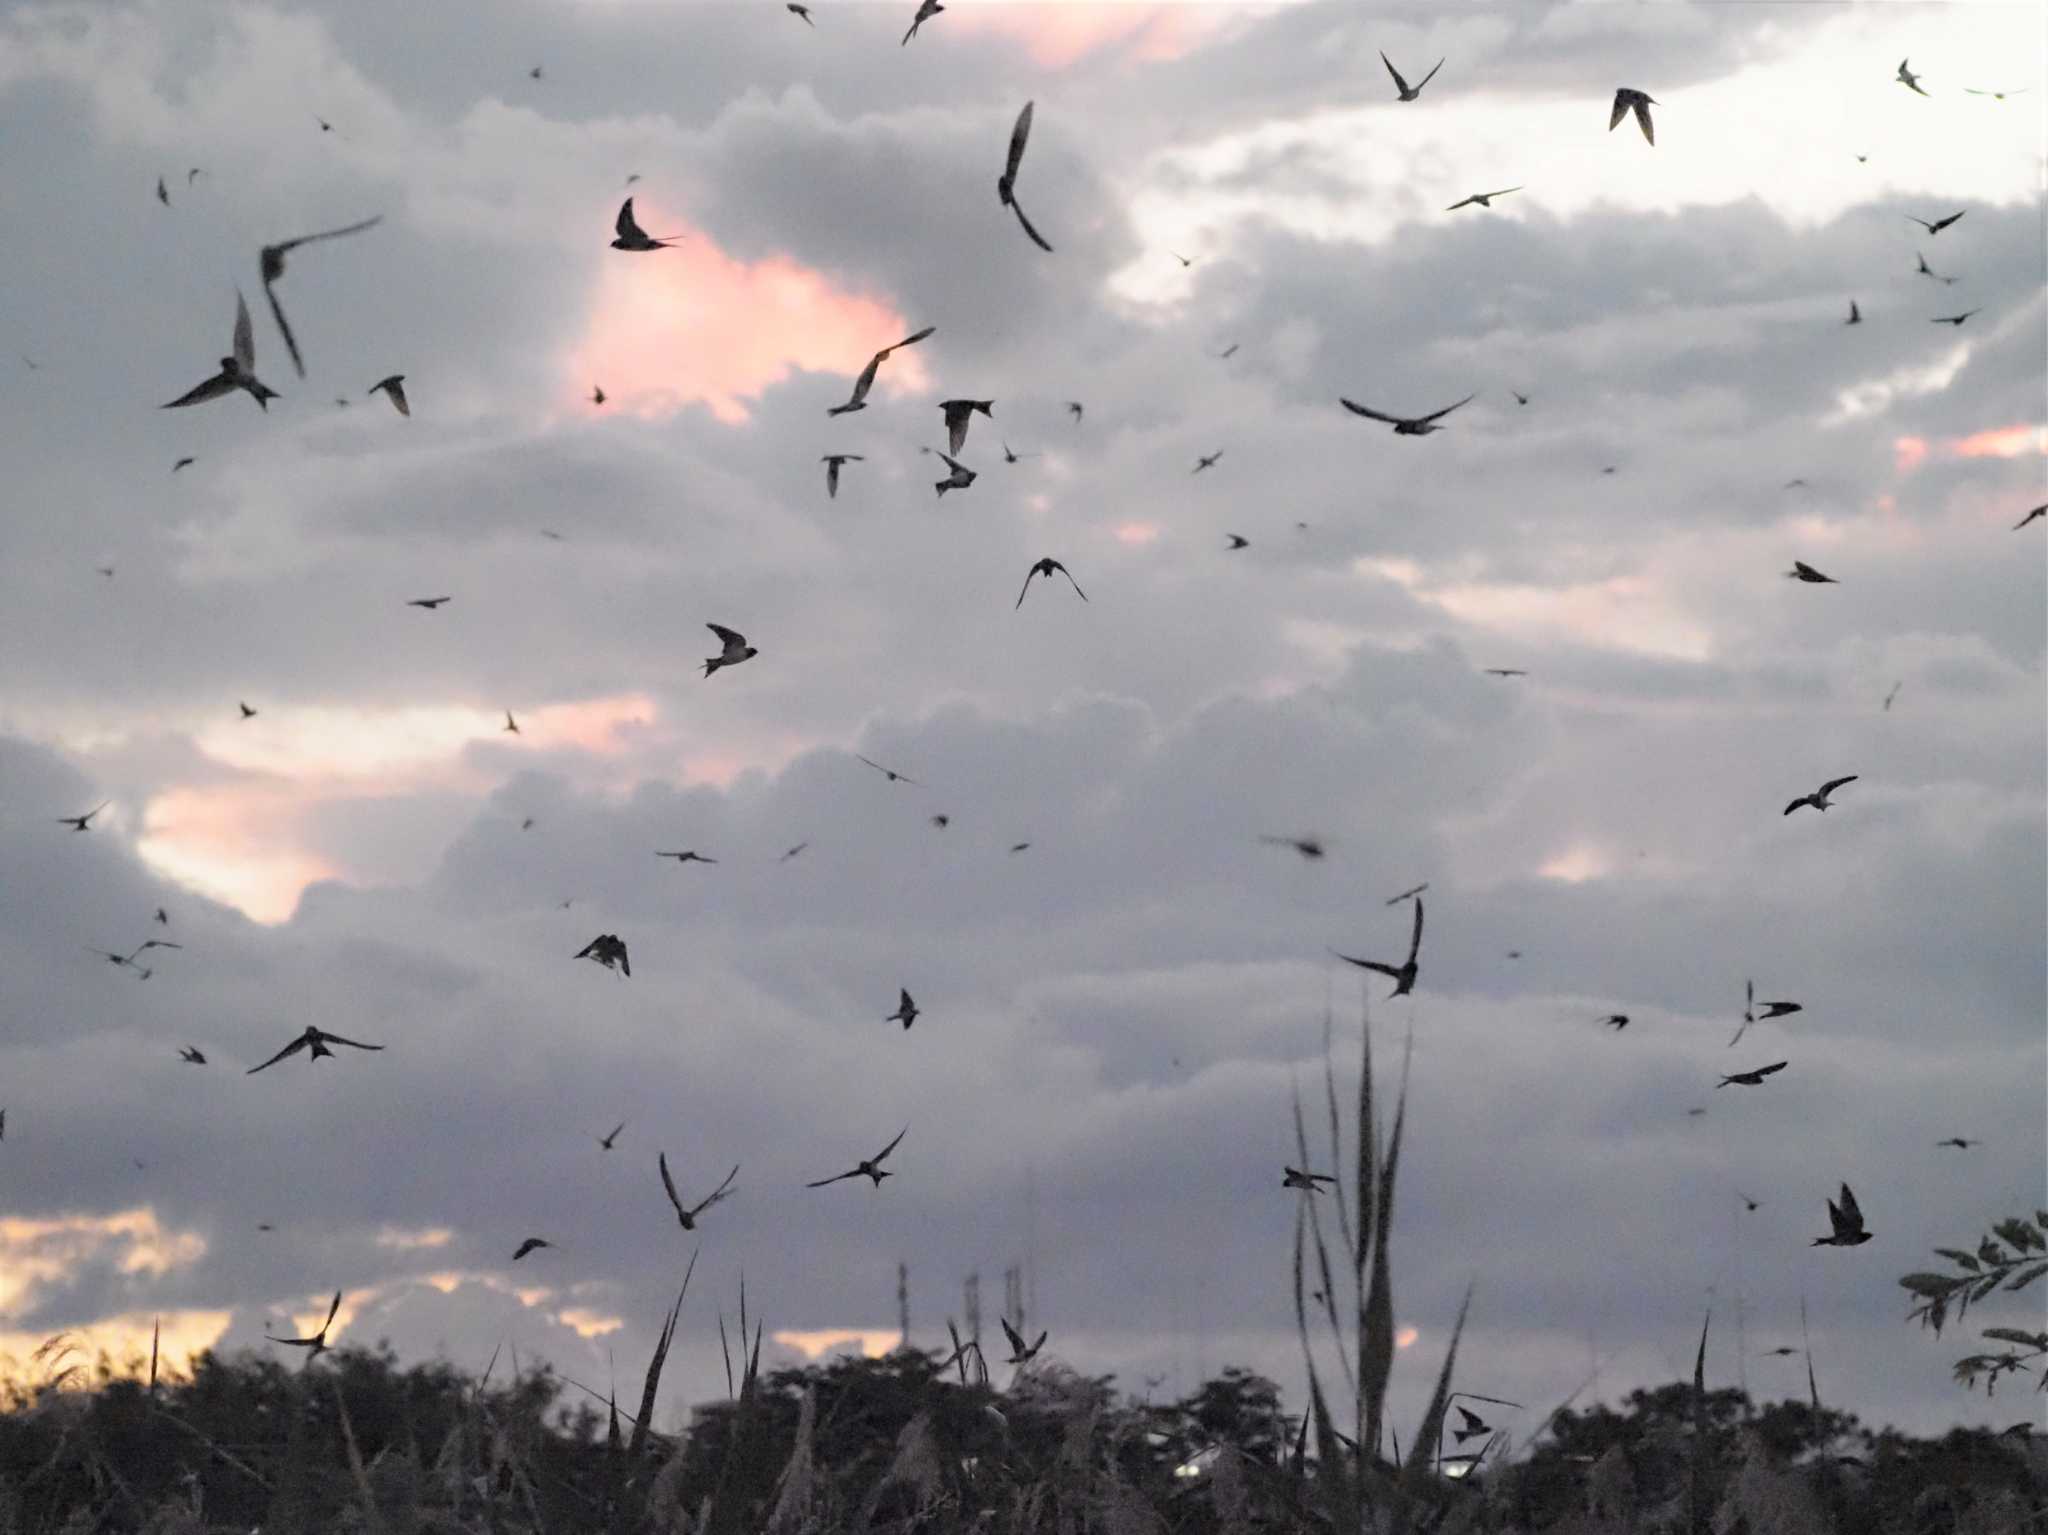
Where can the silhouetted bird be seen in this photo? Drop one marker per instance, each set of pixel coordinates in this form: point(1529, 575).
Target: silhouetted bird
point(687, 855)
point(832, 461)
point(1938, 225)
point(237, 371)
point(1474, 1425)
point(958, 413)
point(906, 1010)
point(83, 822)
point(1019, 1354)
point(736, 649)
point(429, 603)
point(1959, 1142)
point(247, 712)
point(1847, 1220)
point(192, 1054)
point(609, 950)
point(1855, 314)
point(631, 237)
point(1046, 567)
point(317, 1343)
point(1406, 426)
point(889, 773)
point(1907, 78)
point(183, 463)
point(606, 1140)
point(1994, 95)
point(687, 1215)
point(1310, 848)
point(597, 394)
point(803, 11)
point(1074, 409)
point(1505, 671)
point(1408, 894)
point(1236, 542)
point(1403, 974)
point(1627, 101)
point(1801, 571)
point(529, 1245)
point(2039, 511)
point(1751, 1078)
point(1954, 319)
point(1408, 92)
point(959, 478)
point(394, 391)
point(1310, 1183)
point(1616, 1021)
point(315, 1040)
point(1927, 271)
point(1006, 184)
point(871, 1167)
point(866, 381)
point(510, 727)
point(1819, 798)
point(271, 264)
point(1483, 200)
point(926, 10)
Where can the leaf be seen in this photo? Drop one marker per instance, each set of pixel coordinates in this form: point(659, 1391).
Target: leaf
point(2027, 1276)
point(1957, 1256)
point(1985, 1286)
point(1930, 1284)
point(1992, 1253)
point(2018, 1234)
point(2037, 1341)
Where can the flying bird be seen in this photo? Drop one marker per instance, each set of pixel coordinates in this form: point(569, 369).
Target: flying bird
point(1894, 693)
point(832, 461)
point(1782, 1352)
point(1801, 571)
point(1006, 184)
point(1474, 1425)
point(2037, 512)
point(318, 1341)
point(1403, 974)
point(1046, 567)
point(183, 463)
point(959, 479)
point(866, 381)
point(163, 917)
point(1778, 1010)
point(803, 11)
point(534, 73)
point(942, 820)
point(1955, 319)
point(688, 855)
point(192, 1054)
point(1751, 1205)
point(271, 264)
point(870, 1168)
point(1228, 352)
point(1074, 409)
point(1927, 271)
point(1520, 398)
point(1752, 1078)
point(926, 10)
point(83, 822)
point(1408, 894)
point(394, 390)
point(429, 603)
point(1819, 798)
point(1019, 1354)
point(1407, 426)
point(1018, 847)
point(1626, 101)
point(237, 370)
point(529, 1245)
point(1855, 314)
point(1483, 199)
point(688, 1215)
point(1938, 225)
point(1959, 1142)
point(889, 773)
point(906, 1010)
point(1307, 1182)
point(1994, 95)
point(1505, 671)
point(609, 950)
point(1206, 461)
point(1012, 457)
point(316, 1040)
point(511, 726)
point(606, 1140)
point(631, 237)
point(1847, 1220)
point(958, 413)
point(1408, 92)
point(1616, 1021)
point(162, 196)
point(1310, 848)
point(1907, 78)
point(736, 649)
point(597, 394)
point(247, 712)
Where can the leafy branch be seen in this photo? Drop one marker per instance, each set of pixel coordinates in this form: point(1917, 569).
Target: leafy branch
point(2010, 1258)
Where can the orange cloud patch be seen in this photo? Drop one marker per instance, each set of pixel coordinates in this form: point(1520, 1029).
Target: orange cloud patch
point(874, 1344)
point(1136, 533)
point(693, 326)
point(1908, 453)
point(1059, 34)
point(2000, 442)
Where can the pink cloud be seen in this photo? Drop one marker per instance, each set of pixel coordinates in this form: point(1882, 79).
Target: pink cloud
point(1057, 35)
point(1908, 453)
point(692, 325)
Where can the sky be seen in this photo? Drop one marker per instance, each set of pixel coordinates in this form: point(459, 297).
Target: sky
point(1114, 1019)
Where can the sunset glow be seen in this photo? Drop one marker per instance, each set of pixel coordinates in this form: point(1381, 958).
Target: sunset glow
point(814, 1344)
point(1058, 35)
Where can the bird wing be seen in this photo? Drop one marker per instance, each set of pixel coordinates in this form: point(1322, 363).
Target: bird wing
point(1016, 1341)
point(355, 1044)
point(626, 226)
point(1026, 586)
point(904, 1004)
point(212, 389)
point(1835, 783)
point(291, 1049)
point(866, 381)
point(1370, 964)
point(1620, 111)
point(884, 1152)
point(526, 1247)
point(832, 478)
point(1361, 410)
point(1019, 137)
point(1433, 415)
point(1764, 1071)
point(332, 1307)
point(1415, 940)
point(1461, 203)
point(1399, 84)
point(394, 387)
point(1643, 121)
point(245, 335)
point(1504, 191)
point(731, 637)
point(837, 1178)
point(956, 425)
point(1430, 76)
point(668, 1183)
point(1076, 585)
point(1472, 1419)
point(911, 340)
point(327, 234)
point(1852, 1213)
point(1037, 239)
point(722, 1191)
point(291, 343)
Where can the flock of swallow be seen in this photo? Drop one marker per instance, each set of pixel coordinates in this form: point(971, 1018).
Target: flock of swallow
point(236, 372)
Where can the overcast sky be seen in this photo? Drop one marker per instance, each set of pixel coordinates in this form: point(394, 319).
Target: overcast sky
point(1098, 1085)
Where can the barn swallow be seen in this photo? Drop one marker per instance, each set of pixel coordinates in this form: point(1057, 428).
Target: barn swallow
point(183, 463)
point(1474, 1425)
point(1228, 352)
point(1959, 1142)
point(832, 461)
point(688, 855)
point(271, 264)
point(597, 394)
point(1408, 92)
point(83, 822)
point(237, 371)
point(1006, 184)
point(1847, 1220)
point(736, 649)
point(1406, 895)
point(1894, 693)
point(942, 820)
point(1407, 426)
point(192, 1054)
point(1483, 199)
point(959, 479)
point(247, 712)
point(429, 603)
point(510, 727)
point(869, 1168)
point(1855, 314)
point(1749, 1204)
point(162, 195)
point(631, 237)
point(1310, 848)
point(607, 949)
point(1751, 1078)
point(1019, 1354)
point(1616, 1021)
point(688, 1215)
point(1403, 974)
point(1018, 847)
point(318, 1341)
point(1626, 101)
point(1784, 1351)
point(316, 1040)
point(1046, 567)
point(1819, 798)
point(1955, 319)
point(958, 413)
point(394, 390)
point(906, 1010)
point(2039, 511)
point(1938, 225)
point(1075, 409)
point(1505, 671)
point(1801, 571)
point(163, 917)
point(1927, 271)
point(1778, 1010)
point(1994, 95)
point(1520, 398)
point(1206, 461)
point(792, 852)
point(1236, 541)
point(926, 10)
point(866, 381)
point(1907, 78)
point(889, 773)
point(1011, 456)
point(529, 1245)
point(606, 1140)
point(1295, 1178)
point(803, 11)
